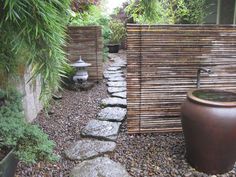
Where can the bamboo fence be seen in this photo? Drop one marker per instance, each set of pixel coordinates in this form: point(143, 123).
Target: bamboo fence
point(162, 66)
point(86, 41)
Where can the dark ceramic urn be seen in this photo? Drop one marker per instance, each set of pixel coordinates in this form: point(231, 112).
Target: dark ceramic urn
point(209, 126)
point(8, 165)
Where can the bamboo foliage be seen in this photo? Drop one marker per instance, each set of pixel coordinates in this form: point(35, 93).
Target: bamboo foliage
point(37, 27)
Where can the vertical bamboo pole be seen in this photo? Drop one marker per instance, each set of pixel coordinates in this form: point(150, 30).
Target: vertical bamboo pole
point(218, 12)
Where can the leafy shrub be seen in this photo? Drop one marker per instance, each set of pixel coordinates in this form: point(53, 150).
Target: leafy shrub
point(147, 11)
point(29, 142)
point(197, 11)
point(167, 11)
point(187, 12)
point(118, 32)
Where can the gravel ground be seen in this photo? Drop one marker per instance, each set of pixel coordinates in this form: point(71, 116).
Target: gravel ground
point(155, 155)
point(145, 155)
point(70, 115)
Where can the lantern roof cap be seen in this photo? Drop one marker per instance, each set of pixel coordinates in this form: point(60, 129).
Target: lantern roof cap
point(80, 63)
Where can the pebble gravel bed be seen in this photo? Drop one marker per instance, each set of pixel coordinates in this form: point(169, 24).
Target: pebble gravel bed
point(155, 155)
point(63, 124)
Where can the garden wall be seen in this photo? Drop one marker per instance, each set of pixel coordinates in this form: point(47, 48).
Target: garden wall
point(31, 93)
point(162, 66)
point(87, 42)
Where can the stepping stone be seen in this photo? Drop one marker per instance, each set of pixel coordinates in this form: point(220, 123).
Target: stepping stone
point(119, 95)
point(113, 72)
point(107, 76)
point(116, 84)
point(114, 102)
point(113, 68)
point(86, 149)
point(116, 89)
point(99, 167)
point(116, 79)
point(112, 114)
point(118, 64)
point(112, 55)
point(101, 130)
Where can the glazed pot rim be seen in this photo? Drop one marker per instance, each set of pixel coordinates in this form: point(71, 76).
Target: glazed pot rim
point(207, 102)
point(112, 45)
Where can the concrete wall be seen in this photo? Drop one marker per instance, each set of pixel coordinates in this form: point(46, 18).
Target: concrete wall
point(31, 92)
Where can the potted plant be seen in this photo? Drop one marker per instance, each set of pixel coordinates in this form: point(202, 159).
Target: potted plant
point(20, 140)
point(118, 33)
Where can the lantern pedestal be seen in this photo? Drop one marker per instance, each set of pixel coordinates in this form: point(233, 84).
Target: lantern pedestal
point(85, 86)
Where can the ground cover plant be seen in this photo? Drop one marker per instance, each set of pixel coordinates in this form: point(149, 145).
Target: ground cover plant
point(29, 143)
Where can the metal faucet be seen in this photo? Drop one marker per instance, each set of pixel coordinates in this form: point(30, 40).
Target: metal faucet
point(206, 70)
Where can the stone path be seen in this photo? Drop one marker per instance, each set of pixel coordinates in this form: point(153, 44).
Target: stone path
point(116, 84)
point(116, 89)
point(99, 167)
point(112, 114)
point(86, 149)
point(114, 101)
point(119, 95)
point(104, 130)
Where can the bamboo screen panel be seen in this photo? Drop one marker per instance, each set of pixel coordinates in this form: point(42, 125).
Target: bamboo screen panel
point(162, 66)
point(86, 41)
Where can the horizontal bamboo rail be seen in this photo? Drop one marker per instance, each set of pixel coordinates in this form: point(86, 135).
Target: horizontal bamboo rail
point(162, 66)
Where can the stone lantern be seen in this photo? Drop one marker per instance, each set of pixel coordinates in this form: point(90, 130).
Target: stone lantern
point(81, 75)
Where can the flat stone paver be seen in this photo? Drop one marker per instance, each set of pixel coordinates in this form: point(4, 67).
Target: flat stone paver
point(86, 149)
point(118, 64)
point(99, 167)
point(113, 68)
point(115, 89)
point(117, 84)
point(114, 102)
point(112, 114)
point(120, 95)
point(101, 130)
point(116, 79)
point(107, 76)
point(113, 72)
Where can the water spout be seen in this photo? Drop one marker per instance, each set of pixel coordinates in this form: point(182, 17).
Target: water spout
point(206, 70)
